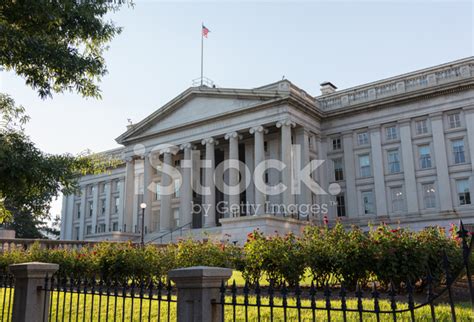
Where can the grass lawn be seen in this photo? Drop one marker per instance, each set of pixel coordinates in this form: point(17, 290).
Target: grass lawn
point(112, 309)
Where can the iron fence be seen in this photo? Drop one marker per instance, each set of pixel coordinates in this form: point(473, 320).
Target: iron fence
point(7, 283)
point(91, 299)
point(396, 303)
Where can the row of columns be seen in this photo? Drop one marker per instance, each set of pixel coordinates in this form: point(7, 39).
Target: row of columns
point(209, 198)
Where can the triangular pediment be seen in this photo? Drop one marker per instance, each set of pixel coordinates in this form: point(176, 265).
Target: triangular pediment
point(194, 107)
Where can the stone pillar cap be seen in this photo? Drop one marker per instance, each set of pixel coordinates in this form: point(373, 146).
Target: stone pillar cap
point(200, 276)
point(33, 269)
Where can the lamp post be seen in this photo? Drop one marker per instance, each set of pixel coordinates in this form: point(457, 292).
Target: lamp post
point(143, 206)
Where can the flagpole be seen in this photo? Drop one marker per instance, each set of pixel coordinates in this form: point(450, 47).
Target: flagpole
point(202, 53)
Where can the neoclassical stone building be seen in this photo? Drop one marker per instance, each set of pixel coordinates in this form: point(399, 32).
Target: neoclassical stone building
point(398, 150)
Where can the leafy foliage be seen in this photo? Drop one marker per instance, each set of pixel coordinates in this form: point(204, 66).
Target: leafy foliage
point(57, 46)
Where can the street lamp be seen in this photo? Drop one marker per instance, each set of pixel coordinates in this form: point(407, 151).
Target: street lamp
point(143, 206)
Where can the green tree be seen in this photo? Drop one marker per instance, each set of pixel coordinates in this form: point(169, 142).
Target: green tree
point(56, 46)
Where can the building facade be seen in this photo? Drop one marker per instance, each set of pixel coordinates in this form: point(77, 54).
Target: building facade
point(399, 150)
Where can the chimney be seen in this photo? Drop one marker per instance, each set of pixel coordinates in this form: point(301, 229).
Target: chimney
point(327, 88)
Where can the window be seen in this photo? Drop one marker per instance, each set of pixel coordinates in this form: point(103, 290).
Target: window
point(429, 195)
point(158, 191)
point(265, 146)
point(115, 226)
point(464, 194)
point(102, 206)
point(393, 161)
point(362, 138)
point(341, 205)
point(425, 156)
point(336, 144)
point(421, 126)
point(368, 202)
point(454, 120)
point(116, 204)
point(364, 163)
point(88, 230)
point(398, 199)
point(102, 187)
point(458, 151)
point(76, 233)
point(177, 185)
point(101, 228)
point(91, 208)
point(391, 133)
point(338, 170)
point(117, 185)
point(78, 210)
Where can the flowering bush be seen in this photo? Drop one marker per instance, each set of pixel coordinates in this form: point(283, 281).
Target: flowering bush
point(327, 254)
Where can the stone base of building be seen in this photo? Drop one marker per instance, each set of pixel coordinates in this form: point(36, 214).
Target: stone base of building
point(113, 236)
point(235, 230)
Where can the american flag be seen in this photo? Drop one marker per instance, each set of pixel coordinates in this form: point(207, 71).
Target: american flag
point(205, 31)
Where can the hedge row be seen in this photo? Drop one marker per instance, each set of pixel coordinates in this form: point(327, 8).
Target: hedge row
point(326, 254)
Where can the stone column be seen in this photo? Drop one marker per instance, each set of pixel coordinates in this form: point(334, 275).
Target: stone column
point(166, 181)
point(469, 113)
point(378, 172)
point(302, 140)
point(322, 170)
point(82, 223)
point(186, 192)
point(70, 210)
point(129, 194)
point(148, 192)
point(30, 301)
point(249, 162)
point(350, 174)
point(95, 208)
point(108, 203)
point(121, 210)
point(444, 186)
point(408, 166)
point(233, 162)
point(286, 152)
point(198, 287)
point(210, 197)
point(65, 221)
point(259, 157)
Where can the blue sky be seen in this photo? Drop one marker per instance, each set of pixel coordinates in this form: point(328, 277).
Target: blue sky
point(250, 44)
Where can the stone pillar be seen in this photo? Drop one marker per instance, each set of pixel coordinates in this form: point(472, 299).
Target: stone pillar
point(439, 144)
point(71, 215)
point(82, 223)
point(286, 152)
point(233, 163)
point(186, 192)
point(210, 197)
point(65, 221)
point(302, 140)
point(129, 194)
point(350, 174)
point(198, 287)
point(108, 204)
point(31, 302)
point(378, 172)
point(166, 181)
point(469, 113)
point(249, 162)
point(322, 170)
point(95, 208)
point(408, 166)
point(121, 210)
point(148, 192)
point(259, 157)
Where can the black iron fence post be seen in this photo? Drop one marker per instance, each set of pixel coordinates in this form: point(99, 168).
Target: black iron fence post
point(31, 302)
